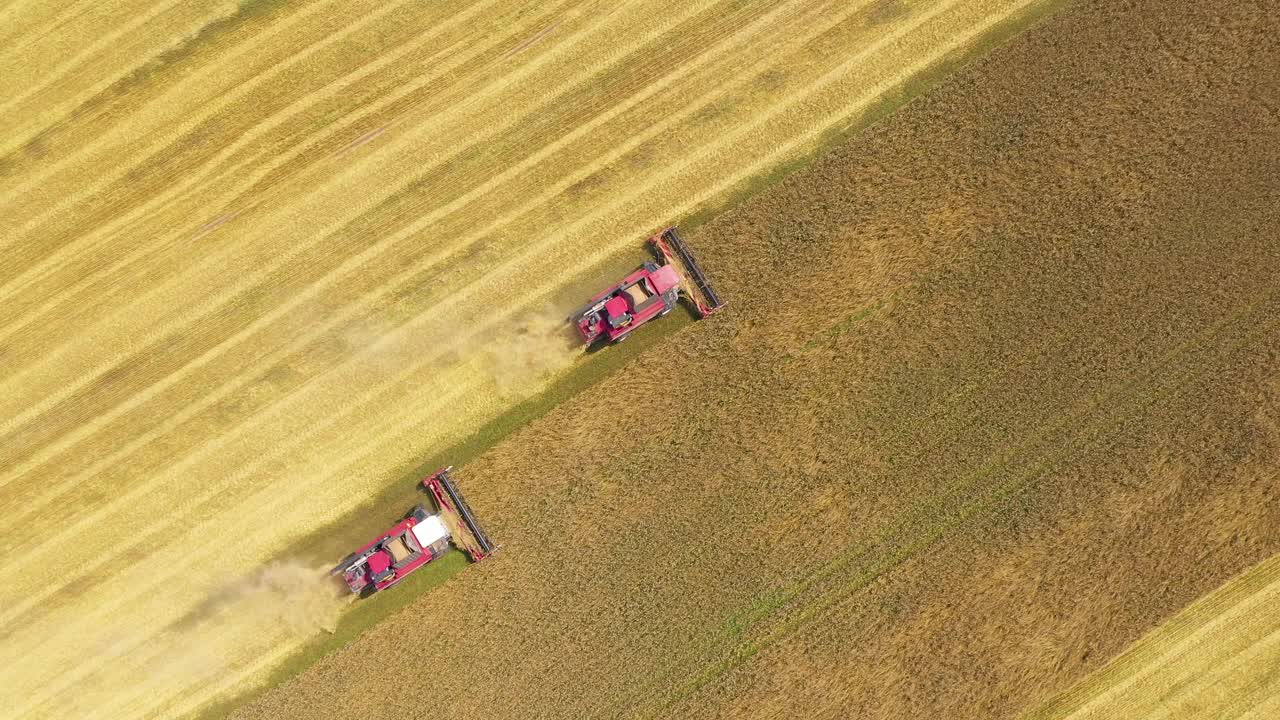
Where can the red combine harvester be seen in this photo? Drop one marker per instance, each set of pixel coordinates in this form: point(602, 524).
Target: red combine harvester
point(649, 292)
point(417, 540)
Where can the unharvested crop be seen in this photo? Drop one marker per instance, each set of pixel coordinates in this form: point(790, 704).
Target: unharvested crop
point(257, 258)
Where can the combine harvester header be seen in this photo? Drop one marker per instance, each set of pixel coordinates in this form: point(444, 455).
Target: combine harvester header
point(417, 540)
point(650, 292)
point(467, 533)
point(695, 284)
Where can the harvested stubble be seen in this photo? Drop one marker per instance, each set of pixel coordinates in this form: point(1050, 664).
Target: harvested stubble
point(258, 258)
point(997, 391)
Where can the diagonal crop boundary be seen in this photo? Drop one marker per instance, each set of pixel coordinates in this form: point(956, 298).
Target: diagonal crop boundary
point(453, 299)
point(351, 625)
point(1164, 639)
point(281, 500)
point(135, 492)
point(348, 267)
point(395, 497)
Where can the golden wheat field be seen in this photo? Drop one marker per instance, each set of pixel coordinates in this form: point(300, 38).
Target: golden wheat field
point(997, 393)
point(1215, 659)
point(257, 255)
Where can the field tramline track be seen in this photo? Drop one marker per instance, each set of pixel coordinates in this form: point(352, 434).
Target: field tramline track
point(937, 520)
point(1037, 452)
point(532, 252)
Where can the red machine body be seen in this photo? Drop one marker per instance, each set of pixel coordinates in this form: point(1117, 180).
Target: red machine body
point(394, 554)
point(417, 540)
point(649, 292)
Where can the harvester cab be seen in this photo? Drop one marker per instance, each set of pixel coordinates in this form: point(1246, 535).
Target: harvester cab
point(618, 312)
point(416, 540)
point(649, 292)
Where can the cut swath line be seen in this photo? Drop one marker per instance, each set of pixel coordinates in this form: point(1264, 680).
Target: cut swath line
point(214, 224)
point(108, 40)
point(527, 43)
point(178, 125)
point(853, 559)
point(320, 328)
point(361, 140)
point(748, 171)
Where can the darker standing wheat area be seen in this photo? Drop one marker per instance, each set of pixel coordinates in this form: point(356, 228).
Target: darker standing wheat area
point(998, 392)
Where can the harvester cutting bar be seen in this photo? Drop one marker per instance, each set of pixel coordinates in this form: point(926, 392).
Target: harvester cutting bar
point(676, 253)
point(449, 499)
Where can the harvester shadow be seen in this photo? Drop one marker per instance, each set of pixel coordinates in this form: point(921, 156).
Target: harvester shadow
point(227, 596)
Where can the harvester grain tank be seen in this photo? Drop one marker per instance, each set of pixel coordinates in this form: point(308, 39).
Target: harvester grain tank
point(416, 540)
point(649, 292)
